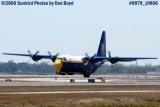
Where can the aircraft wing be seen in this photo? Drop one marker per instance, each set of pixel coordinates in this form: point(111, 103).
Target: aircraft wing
point(36, 56)
point(44, 56)
point(122, 59)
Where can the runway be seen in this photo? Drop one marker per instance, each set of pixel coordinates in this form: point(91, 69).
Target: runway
point(80, 92)
point(55, 80)
point(59, 90)
point(41, 81)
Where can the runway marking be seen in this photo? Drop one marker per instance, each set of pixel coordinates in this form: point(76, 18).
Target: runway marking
point(80, 92)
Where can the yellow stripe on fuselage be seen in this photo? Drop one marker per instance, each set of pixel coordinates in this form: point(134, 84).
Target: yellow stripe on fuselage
point(58, 65)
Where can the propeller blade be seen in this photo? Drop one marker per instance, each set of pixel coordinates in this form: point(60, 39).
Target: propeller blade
point(36, 53)
point(109, 53)
point(30, 53)
point(49, 53)
point(87, 55)
point(54, 57)
point(57, 54)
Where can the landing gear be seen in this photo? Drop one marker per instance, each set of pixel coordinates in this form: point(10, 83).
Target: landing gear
point(63, 73)
point(70, 73)
point(86, 75)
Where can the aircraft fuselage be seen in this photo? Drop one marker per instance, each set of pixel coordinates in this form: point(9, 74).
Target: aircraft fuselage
point(74, 65)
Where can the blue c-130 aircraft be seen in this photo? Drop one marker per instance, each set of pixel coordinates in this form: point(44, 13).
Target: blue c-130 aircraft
point(86, 65)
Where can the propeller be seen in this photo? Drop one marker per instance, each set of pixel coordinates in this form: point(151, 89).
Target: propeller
point(34, 56)
point(53, 58)
point(112, 60)
point(88, 59)
point(109, 53)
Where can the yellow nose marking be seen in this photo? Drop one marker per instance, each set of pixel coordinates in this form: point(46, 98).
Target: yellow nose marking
point(58, 65)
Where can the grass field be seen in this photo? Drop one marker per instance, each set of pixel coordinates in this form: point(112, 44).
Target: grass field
point(81, 100)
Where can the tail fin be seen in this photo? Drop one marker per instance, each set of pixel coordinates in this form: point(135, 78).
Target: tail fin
point(102, 45)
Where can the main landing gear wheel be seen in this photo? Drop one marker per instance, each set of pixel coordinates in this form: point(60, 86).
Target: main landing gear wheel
point(86, 75)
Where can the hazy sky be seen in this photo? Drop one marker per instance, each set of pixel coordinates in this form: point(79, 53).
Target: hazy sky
point(130, 30)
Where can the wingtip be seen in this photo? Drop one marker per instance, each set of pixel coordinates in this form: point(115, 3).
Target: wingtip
point(153, 58)
point(4, 53)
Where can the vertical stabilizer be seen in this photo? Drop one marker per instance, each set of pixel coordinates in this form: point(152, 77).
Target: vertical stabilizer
point(102, 45)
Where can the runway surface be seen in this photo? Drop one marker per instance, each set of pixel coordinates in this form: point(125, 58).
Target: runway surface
point(44, 91)
point(46, 82)
point(26, 80)
point(80, 92)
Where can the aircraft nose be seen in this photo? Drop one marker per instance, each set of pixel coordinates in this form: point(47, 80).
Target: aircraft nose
point(58, 65)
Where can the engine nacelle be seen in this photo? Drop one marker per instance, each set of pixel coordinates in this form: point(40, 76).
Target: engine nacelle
point(114, 60)
point(35, 58)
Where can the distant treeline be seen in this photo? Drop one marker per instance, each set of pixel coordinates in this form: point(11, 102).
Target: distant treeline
point(131, 69)
point(11, 67)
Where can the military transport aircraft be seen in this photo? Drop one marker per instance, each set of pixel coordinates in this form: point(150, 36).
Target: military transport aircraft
point(86, 65)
